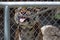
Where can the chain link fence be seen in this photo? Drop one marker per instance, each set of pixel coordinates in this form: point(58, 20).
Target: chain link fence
point(45, 19)
point(1, 24)
point(13, 25)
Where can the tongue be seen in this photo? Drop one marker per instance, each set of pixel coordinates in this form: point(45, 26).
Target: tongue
point(22, 19)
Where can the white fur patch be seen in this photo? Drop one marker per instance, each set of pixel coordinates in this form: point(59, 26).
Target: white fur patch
point(45, 27)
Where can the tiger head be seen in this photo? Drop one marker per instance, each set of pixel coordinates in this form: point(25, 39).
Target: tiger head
point(26, 16)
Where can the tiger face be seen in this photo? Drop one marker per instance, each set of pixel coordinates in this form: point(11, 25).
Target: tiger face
point(25, 16)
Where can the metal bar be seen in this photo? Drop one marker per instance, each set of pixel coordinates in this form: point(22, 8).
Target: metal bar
point(6, 24)
point(29, 3)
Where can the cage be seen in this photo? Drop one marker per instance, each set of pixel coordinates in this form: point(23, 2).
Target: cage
point(8, 24)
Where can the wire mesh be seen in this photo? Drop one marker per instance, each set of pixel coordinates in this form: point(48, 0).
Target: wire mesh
point(13, 25)
point(1, 24)
point(45, 19)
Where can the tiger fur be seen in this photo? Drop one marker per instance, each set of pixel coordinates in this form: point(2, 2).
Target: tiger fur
point(29, 26)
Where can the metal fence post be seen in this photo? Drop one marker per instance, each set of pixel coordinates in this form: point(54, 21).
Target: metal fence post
point(6, 24)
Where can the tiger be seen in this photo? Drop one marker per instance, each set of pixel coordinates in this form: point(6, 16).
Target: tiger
point(29, 26)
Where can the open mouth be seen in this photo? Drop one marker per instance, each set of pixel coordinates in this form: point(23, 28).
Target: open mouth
point(22, 19)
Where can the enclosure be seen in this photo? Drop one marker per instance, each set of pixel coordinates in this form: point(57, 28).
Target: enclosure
point(7, 11)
